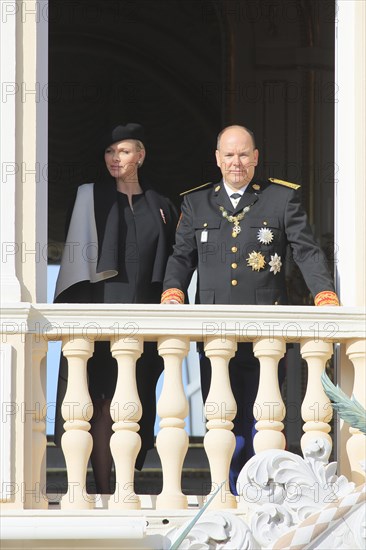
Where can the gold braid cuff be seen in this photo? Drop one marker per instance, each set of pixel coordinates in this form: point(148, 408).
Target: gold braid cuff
point(172, 294)
point(326, 298)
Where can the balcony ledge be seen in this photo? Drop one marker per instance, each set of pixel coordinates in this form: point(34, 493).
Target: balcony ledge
point(195, 321)
point(55, 525)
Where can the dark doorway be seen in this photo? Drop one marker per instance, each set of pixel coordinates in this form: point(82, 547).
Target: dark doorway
point(117, 61)
point(185, 69)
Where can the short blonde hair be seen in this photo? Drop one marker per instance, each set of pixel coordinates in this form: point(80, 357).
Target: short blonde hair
point(139, 145)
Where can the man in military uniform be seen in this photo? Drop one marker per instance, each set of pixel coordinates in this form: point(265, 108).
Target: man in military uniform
point(236, 234)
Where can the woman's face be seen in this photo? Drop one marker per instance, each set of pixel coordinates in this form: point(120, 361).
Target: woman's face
point(123, 158)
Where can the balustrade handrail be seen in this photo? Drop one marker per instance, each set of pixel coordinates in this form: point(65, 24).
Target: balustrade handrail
point(53, 321)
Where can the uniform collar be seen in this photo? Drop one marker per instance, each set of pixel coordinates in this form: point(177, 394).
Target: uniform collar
point(230, 191)
point(249, 197)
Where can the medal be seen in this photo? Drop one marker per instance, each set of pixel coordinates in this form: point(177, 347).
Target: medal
point(235, 219)
point(236, 229)
point(256, 261)
point(275, 263)
point(265, 235)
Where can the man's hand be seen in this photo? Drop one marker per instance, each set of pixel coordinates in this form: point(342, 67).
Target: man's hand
point(172, 296)
point(326, 298)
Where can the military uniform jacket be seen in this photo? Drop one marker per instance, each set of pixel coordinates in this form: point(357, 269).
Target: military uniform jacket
point(205, 240)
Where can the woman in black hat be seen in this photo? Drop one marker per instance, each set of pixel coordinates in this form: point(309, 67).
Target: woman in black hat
point(134, 228)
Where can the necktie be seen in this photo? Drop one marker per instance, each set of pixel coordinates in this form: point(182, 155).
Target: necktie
point(235, 196)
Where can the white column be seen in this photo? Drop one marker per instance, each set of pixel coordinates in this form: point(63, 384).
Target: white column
point(31, 149)
point(350, 169)
point(23, 149)
point(7, 424)
point(39, 439)
point(10, 287)
point(350, 146)
point(42, 149)
point(126, 411)
point(220, 411)
point(269, 408)
point(316, 410)
point(172, 439)
point(356, 445)
point(77, 410)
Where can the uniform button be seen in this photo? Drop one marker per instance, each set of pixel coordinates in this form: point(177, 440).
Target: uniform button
point(234, 282)
point(264, 223)
point(276, 303)
point(234, 249)
point(234, 265)
point(205, 225)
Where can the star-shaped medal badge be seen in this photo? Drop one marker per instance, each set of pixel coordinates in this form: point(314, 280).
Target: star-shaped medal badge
point(256, 261)
point(265, 235)
point(275, 263)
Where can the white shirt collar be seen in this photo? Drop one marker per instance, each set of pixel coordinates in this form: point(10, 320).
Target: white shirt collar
point(230, 191)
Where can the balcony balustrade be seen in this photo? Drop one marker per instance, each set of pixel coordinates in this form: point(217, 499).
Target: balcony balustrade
point(28, 328)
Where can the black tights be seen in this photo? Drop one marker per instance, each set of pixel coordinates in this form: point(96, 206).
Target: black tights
point(101, 456)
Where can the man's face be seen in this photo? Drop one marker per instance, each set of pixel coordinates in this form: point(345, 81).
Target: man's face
point(236, 157)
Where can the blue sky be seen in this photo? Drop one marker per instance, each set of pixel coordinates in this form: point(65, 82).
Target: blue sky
point(53, 355)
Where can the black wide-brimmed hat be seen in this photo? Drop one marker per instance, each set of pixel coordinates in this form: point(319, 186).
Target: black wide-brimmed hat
point(131, 130)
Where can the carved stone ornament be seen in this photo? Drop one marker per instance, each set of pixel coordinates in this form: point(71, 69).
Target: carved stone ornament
point(283, 489)
point(216, 530)
point(287, 502)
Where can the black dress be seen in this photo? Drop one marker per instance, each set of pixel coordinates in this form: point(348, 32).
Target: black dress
point(138, 236)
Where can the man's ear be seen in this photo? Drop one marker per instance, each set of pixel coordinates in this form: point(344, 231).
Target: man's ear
point(256, 157)
point(217, 153)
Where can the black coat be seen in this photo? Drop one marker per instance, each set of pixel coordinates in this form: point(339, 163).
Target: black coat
point(106, 217)
point(224, 276)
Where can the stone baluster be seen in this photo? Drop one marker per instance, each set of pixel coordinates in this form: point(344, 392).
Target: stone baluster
point(126, 411)
point(356, 445)
point(172, 439)
point(220, 410)
point(39, 439)
point(316, 410)
point(77, 410)
point(269, 409)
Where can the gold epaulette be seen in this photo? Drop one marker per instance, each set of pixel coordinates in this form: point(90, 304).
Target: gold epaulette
point(195, 188)
point(286, 183)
